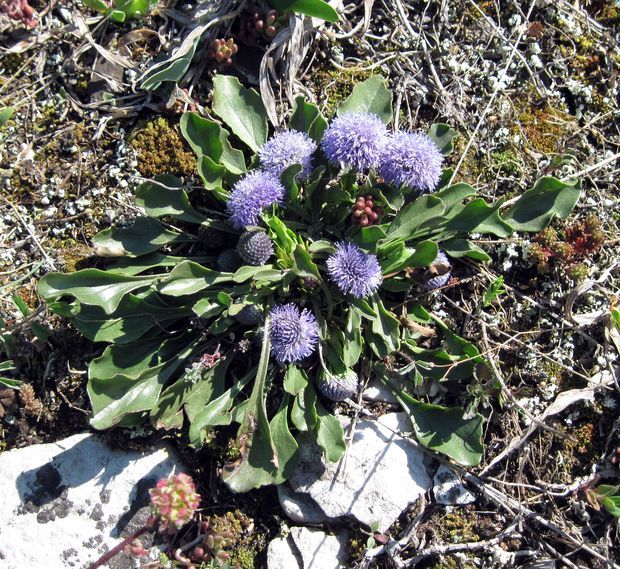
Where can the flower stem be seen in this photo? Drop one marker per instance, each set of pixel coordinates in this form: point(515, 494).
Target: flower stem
point(118, 548)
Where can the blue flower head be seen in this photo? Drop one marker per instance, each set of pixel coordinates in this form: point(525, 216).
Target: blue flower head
point(441, 279)
point(251, 195)
point(354, 140)
point(294, 333)
point(285, 149)
point(411, 159)
point(354, 271)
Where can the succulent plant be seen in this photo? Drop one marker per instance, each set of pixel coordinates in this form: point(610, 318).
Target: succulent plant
point(174, 501)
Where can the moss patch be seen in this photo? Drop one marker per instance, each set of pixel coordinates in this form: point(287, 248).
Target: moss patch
point(335, 85)
point(160, 149)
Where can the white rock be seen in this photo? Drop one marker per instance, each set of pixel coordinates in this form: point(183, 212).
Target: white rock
point(299, 507)
point(378, 391)
point(383, 474)
point(449, 490)
point(307, 548)
point(281, 554)
point(320, 550)
point(64, 504)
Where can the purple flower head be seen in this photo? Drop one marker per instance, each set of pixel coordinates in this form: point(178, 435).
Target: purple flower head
point(285, 149)
point(250, 195)
point(411, 159)
point(354, 271)
point(293, 333)
point(440, 263)
point(354, 140)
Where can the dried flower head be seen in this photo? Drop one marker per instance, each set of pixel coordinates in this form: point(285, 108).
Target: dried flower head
point(354, 140)
point(354, 271)
point(174, 501)
point(285, 149)
point(411, 159)
point(251, 195)
point(439, 272)
point(294, 333)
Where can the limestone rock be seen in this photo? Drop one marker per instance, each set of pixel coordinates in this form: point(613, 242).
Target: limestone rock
point(64, 504)
point(307, 548)
point(381, 475)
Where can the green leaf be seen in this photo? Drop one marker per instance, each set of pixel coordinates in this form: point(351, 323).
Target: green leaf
point(455, 194)
point(329, 434)
point(444, 429)
point(442, 136)
point(612, 505)
point(307, 118)
point(241, 109)
point(133, 266)
point(189, 277)
point(458, 248)
point(130, 360)
point(261, 273)
point(410, 217)
point(145, 235)
point(422, 255)
point(7, 365)
point(121, 10)
point(496, 288)
point(259, 464)
point(303, 265)
point(174, 66)
point(303, 413)
point(371, 96)
point(115, 398)
point(314, 8)
point(385, 329)
point(5, 115)
point(295, 380)
point(477, 216)
point(131, 320)
point(605, 490)
point(284, 443)
point(166, 196)
point(548, 199)
point(215, 412)
point(92, 286)
point(208, 138)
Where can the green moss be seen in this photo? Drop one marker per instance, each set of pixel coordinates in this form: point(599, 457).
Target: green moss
point(505, 162)
point(71, 252)
point(335, 85)
point(461, 527)
point(160, 149)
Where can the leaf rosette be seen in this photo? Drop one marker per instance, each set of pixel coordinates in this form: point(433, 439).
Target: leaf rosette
point(325, 298)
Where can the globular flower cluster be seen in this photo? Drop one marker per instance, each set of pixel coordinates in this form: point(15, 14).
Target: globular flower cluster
point(354, 271)
point(293, 333)
point(174, 501)
point(251, 195)
point(339, 387)
point(355, 140)
point(411, 159)
point(285, 149)
point(255, 247)
point(440, 267)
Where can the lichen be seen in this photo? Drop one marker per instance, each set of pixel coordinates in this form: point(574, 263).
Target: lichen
point(160, 149)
